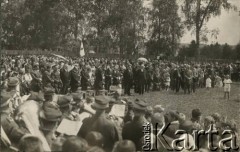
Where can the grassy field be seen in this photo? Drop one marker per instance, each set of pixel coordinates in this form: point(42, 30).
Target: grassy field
point(209, 101)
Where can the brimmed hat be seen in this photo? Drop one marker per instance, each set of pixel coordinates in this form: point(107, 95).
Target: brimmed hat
point(12, 81)
point(140, 105)
point(36, 96)
point(64, 101)
point(50, 113)
point(77, 97)
point(5, 99)
point(49, 91)
point(101, 102)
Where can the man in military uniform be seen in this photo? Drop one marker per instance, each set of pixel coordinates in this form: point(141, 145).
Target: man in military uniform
point(65, 106)
point(9, 125)
point(100, 123)
point(57, 83)
point(49, 118)
point(133, 130)
point(12, 84)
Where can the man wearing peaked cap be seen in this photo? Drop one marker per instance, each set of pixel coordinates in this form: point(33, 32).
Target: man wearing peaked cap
point(101, 103)
point(11, 128)
point(64, 103)
point(50, 117)
point(134, 130)
point(100, 123)
point(13, 84)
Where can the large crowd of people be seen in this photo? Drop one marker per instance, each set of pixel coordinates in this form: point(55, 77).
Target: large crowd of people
point(65, 88)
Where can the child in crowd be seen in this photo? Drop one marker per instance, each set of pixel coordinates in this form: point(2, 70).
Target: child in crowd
point(218, 80)
point(167, 81)
point(208, 83)
point(227, 86)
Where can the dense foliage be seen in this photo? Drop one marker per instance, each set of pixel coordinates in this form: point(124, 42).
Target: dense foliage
point(105, 26)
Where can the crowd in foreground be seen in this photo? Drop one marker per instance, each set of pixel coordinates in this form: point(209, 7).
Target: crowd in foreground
point(39, 92)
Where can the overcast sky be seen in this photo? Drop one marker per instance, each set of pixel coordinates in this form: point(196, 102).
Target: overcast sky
point(228, 24)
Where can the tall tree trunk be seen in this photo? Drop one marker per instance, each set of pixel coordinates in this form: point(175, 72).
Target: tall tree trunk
point(198, 27)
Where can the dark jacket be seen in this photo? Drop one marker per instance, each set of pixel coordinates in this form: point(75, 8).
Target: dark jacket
point(65, 77)
point(101, 124)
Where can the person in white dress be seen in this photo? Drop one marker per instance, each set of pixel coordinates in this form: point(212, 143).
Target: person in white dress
point(208, 83)
point(227, 86)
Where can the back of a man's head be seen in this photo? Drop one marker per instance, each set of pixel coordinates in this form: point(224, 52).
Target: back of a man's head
point(124, 145)
point(94, 139)
point(75, 144)
point(29, 143)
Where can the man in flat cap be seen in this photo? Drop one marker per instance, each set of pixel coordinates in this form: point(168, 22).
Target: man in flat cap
point(133, 130)
point(100, 123)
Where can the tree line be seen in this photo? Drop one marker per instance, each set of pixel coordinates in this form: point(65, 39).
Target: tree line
point(105, 26)
point(212, 51)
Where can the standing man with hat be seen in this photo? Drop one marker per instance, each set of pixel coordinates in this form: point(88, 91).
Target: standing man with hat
point(133, 130)
point(100, 123)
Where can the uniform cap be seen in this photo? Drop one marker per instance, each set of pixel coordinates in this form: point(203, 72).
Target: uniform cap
point(50, 113)
point(64, 101)
point(140, 105)
point(101, 102)
point(13, 81)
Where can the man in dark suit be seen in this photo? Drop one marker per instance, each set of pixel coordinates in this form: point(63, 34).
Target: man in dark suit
point(98, 83)
point(46, 77)
point(75, 78)
point(133, 130)
point(127, 80)
point(141, 79)
point(101, 124)
point(65, 78)
point(108, 78)
point(84, 79)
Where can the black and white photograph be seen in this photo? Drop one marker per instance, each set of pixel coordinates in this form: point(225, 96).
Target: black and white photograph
point(120, 75)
